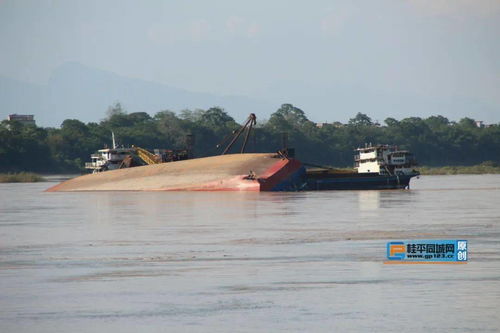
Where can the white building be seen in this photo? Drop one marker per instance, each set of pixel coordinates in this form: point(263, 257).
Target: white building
point(25, 119)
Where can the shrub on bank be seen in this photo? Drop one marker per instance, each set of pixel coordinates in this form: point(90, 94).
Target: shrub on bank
point(487, 167)
point(20, 177)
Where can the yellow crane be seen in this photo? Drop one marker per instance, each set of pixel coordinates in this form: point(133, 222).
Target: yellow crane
point(146, 156)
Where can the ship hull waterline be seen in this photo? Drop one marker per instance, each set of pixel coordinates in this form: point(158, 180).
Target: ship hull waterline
point(360, 182)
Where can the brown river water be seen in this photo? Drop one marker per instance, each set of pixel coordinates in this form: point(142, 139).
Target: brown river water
point(245, 262)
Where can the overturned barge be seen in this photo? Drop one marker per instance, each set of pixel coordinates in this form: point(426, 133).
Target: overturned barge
point(226, 172)
point(230, 172)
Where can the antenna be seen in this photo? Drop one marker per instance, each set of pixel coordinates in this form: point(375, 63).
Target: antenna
point(113, 137)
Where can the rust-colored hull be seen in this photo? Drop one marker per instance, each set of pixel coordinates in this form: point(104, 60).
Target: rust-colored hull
point(216, 173)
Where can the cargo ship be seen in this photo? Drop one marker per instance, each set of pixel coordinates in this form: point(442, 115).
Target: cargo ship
point(377, 167)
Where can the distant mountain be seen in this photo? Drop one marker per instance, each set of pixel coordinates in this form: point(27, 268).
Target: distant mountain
point(84, 93)
point(80, 92)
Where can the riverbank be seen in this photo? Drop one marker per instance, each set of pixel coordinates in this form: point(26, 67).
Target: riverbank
point(20, 177)
point(487, 167)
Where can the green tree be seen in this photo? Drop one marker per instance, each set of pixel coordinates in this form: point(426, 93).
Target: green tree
point(294, 116)
point(391, 122)
point(361, 119)
point(216, 118)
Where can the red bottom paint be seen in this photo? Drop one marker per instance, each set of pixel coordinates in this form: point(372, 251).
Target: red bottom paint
point(277, 173)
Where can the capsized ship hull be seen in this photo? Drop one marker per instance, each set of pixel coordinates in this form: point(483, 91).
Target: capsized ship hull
point(233, 172)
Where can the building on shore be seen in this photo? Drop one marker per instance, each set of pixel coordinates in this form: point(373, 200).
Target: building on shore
point(24, 119)
point(481, 124)
point(334, 124)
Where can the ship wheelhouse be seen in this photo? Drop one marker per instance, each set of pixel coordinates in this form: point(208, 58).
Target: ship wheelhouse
point(384, 160)
point(108, 159)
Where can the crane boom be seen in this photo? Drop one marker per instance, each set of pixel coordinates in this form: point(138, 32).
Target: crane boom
point(250, 122)
point(146, 156)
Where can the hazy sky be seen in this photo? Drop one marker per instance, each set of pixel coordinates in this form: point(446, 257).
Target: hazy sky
point(283, 51)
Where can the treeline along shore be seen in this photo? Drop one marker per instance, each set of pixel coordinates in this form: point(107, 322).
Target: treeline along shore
point(436, 141)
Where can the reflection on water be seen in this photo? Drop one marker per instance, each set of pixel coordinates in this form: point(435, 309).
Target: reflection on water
point(308, 261)
point(369, 200)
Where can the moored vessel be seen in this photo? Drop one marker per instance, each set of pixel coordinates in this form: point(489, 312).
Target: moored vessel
point(376, 167)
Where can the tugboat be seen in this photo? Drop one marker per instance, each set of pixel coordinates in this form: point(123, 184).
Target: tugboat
point(376, 167)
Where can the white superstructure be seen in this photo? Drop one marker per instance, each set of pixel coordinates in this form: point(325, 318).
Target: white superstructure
point(108, 158)
point(384, 160)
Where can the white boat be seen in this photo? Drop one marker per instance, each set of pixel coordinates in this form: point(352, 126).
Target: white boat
point(122, 157)
point(108, 158)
